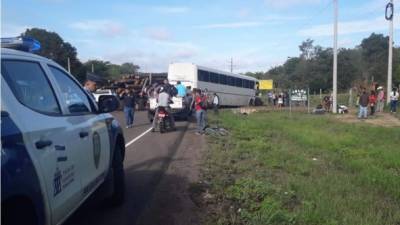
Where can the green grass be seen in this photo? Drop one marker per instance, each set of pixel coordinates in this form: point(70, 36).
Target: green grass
point(276, 168)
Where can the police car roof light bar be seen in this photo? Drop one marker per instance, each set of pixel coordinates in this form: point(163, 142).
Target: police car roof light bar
point(27, 44)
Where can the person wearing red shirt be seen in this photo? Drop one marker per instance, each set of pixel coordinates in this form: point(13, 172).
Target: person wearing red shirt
point(372, 102)
point(200, 107)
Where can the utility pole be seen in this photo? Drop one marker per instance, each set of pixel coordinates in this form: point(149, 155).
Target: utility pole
point(92, 68)
point(335, 31)
point(389, 17)
point(69, 65)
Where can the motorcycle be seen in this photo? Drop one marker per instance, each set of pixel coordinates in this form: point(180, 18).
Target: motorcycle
point(164, 120)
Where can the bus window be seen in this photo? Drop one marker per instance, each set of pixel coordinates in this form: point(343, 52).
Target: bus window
point(222, 79)
point(252, 85)
point(203, 76)
point(231, 81)
point(246, 83)
point(238, 82)
point(214, 77)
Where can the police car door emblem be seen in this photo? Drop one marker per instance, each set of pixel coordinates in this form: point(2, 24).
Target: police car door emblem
point(96, 149)
point(57, 182)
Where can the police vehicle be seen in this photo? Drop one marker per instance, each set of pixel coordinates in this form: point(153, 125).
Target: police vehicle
point(57, 145)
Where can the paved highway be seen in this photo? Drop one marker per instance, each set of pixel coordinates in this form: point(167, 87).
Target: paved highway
point(147, 157)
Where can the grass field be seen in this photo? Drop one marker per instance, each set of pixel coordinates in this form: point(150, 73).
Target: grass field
point(276, 168)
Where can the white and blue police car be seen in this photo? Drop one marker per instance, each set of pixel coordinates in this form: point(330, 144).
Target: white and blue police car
point(57, 145)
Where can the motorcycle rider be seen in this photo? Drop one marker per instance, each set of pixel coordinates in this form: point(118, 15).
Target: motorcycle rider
point(163, 100)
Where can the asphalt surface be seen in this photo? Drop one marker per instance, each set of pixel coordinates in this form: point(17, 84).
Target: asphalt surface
point(146, 161)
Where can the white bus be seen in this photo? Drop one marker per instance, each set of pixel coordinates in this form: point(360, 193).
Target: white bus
point(231, 89)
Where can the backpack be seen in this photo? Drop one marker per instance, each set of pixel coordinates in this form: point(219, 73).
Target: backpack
point(173, 91)
point(203, 103)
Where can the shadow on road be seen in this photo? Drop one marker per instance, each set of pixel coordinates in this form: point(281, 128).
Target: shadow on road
point(138, 194)
point(142, 179)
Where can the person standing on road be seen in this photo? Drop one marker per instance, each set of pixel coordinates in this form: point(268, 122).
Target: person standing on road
point(372, 102)
point(189, 97)
point(380, 99)
point(280, 101)
point(129, 101)
point(274, 98)
point(394, 98)
point(200, 107)
point(364, 99)
point(215, 103)
point(269, 95)
point(181, 89)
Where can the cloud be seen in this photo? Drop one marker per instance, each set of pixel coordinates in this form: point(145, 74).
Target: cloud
point(350, 27)
point(155, 60)
point(231, 25)
point(159, 34)
point(243, 13)
point(105, 27)
point(13, 30)
point(171, 9)
point(283, 4)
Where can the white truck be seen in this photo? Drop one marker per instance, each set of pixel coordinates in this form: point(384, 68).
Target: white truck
point(180, 107)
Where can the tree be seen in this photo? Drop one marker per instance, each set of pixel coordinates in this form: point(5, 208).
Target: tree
point(396, 67)
point(129, 68)
point(306, 49)
point(313, 66)
point(347, 71)
point(100, 68)
point(257, 75)
point(54, 47)
point(375, 57)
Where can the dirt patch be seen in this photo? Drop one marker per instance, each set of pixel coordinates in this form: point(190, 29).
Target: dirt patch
point(381, 119)
point(172, 202)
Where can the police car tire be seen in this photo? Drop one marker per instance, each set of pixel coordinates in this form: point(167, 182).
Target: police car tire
point(17, 212)
point(118, 195)
point(251, 103)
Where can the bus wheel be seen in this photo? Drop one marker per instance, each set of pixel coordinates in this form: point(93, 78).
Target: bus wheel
point(251, 103)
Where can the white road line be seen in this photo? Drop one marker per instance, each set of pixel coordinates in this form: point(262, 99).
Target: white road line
point(138, 137)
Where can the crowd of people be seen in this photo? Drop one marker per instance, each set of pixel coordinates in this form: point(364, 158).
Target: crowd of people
point(278, 100)
point(374, 102)
point(195, 100)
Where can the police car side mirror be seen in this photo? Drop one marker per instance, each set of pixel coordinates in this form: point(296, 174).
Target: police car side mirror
point(108, 103)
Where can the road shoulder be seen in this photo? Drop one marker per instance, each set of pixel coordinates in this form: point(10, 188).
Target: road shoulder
point(171, 202)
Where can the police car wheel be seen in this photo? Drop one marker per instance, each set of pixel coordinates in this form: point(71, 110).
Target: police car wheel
point(251, 103)
point(18, 211)
point(118, 195)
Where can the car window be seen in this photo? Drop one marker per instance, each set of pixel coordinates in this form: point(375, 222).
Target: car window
point(30, 86)
point(75, 98)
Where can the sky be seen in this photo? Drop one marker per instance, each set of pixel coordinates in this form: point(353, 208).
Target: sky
point(256, 34)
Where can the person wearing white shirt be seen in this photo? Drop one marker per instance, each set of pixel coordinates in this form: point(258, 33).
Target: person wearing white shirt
point(394, 98)
point(215, 103)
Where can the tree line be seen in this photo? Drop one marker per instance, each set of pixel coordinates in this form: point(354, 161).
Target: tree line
point(313, 67)
point(358, 66)
point(55, 48)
